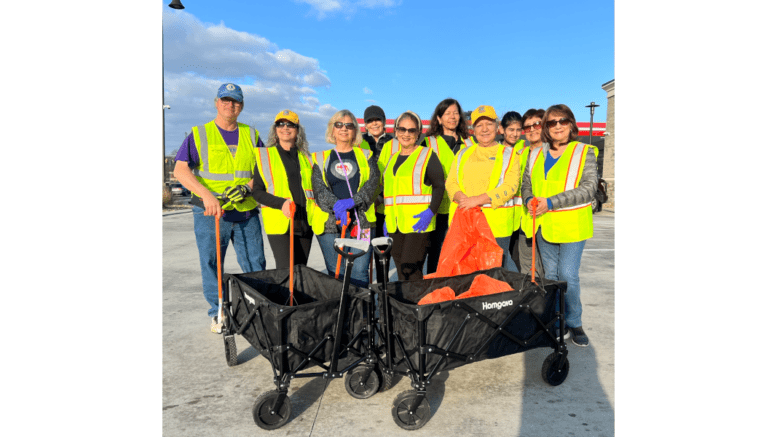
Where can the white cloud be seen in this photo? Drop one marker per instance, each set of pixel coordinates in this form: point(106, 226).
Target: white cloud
point(200, 57)
point(367, 90)
point(326, 7)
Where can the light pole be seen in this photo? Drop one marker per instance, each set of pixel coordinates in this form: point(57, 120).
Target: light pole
point(175, 4)
point(591, 126)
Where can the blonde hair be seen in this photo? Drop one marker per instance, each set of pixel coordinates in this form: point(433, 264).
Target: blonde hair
point(330, 127)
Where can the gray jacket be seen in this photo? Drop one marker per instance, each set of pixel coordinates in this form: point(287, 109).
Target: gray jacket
point(584, 193)
point(362, 199)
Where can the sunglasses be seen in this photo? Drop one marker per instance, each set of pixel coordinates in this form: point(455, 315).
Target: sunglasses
point(412, 130)
point(285, 124)
point(349, 126)
point(553, 123)
point(531, 127)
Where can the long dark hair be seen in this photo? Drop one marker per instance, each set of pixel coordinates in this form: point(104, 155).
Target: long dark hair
point(565, 112)
point(435, 128)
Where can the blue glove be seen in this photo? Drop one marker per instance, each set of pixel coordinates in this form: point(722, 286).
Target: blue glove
point(424, 219)
point(341, 210)
point(385, 230)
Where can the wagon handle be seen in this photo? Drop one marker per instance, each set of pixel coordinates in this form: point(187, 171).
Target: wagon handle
point(363, 246)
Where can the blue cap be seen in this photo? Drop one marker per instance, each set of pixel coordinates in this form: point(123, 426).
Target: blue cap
point(230, 90)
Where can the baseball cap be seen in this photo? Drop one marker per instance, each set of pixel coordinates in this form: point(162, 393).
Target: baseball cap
point(483, 111)
point(288, 114)
point(230, 90)
point(374, 112)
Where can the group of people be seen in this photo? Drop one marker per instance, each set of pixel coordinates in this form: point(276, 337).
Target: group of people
point(408, 186)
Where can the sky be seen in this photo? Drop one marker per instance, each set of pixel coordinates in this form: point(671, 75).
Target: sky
point(316, 57)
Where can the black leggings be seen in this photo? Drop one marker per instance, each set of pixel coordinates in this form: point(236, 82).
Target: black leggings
point(280, 248)
point(409, 253)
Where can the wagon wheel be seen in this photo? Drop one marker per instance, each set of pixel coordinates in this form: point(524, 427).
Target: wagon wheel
point(265, 417)
point(230, 349)
point(401, 411)
point(362, 382)
point(550, 369)
point(386, 381)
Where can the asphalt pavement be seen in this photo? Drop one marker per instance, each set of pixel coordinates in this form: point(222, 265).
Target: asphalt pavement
point(202, 396)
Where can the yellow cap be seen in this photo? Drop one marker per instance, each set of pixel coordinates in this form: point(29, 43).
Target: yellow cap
point(287, 114)
point(483, 111)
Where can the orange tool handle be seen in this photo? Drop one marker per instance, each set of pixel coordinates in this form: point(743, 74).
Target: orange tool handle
point(342, 235)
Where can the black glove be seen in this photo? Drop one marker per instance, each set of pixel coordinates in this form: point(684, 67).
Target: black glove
point(237, 194)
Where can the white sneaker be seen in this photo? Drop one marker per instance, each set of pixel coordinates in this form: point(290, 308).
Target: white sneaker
point(215, 326)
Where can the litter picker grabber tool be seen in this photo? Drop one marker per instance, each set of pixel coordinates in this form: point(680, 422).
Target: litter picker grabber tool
point(218, 264)
point(293, 210)
point(342, 236)
point(383, 258)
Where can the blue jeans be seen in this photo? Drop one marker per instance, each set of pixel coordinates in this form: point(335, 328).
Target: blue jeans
point(246, 237)
point(507, 259)
point(562, 263)
point(360, 272)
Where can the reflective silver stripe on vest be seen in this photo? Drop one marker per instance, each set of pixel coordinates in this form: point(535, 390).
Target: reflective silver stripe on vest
point(252, 136)
point(205, 172)
point(574, 166)
point(571, 181)
point(469, 142)
point(506, 155)
point(264, 156)
point(533, 156)
point(418, 170)
point(458, 166)
point(309, 194)
point(405, 200)
point(433, 144)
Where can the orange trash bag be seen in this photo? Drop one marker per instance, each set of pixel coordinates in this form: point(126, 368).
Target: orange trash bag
point(469, 246)
point(484, 285)
point(439, 295)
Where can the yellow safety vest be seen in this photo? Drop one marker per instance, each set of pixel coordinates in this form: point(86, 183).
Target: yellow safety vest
point(321, 159)
point(445, 154)
point(573, 223)
point(275, 178)
point(405, 193)
point(389, 149)
point(500, 219)
point(218, 169)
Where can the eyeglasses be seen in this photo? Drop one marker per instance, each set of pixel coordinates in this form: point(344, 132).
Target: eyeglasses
point(286, 124)
point(226, 102)
point(411, 131)
point(553, 123)
point(537, 125)
point(349, 126)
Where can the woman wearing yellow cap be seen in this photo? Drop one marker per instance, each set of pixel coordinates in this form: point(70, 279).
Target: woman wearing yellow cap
point(487, 175)
point(282, 176)
point(414, 184)
point(561, 175)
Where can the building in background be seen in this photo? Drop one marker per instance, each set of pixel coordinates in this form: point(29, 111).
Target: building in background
point(608, 167)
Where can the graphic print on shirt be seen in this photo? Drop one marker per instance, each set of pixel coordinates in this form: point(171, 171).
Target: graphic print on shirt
point(341, 169)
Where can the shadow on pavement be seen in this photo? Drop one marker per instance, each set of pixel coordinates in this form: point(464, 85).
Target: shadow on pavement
point(247, 354)
point(579, 406)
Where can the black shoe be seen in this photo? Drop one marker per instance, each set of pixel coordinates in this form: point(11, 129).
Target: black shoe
point(578, 337)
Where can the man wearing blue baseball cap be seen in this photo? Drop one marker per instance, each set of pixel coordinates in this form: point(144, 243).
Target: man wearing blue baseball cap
point(216, 162)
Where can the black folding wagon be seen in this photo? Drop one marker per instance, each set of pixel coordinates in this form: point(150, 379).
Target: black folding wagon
point(327, 327)
point(422, 340)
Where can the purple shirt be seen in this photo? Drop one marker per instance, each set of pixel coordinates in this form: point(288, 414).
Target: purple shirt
point(188, 153)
